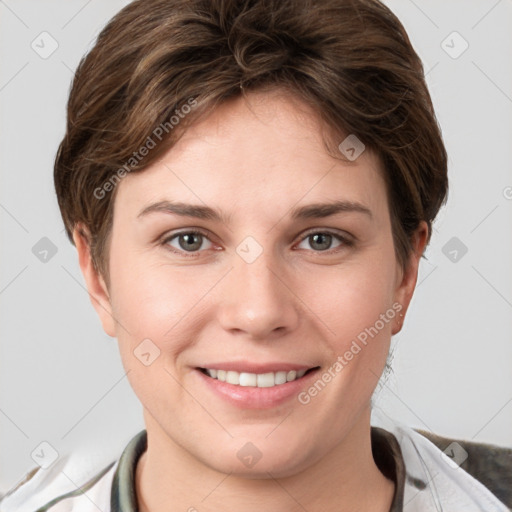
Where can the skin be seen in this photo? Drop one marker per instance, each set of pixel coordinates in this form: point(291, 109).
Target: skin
point(255, 160)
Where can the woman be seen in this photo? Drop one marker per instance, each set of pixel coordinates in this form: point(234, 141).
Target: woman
point(250, 186)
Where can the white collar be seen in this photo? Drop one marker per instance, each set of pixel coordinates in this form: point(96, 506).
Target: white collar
point(433, 483)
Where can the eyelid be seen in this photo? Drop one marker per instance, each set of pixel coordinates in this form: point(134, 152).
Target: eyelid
point(346, 239)
point(166, 238)
point(184, 231)
point(343, 236)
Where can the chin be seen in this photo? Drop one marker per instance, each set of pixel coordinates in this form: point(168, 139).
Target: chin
point(258, 458)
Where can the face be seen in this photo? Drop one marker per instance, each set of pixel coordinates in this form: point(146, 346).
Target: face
point(254, 289)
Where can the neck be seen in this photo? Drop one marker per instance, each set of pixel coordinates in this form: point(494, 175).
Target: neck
point(347, 479)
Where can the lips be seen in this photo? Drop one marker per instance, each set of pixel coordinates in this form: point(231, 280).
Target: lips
point(250, 385)
point(260, 380)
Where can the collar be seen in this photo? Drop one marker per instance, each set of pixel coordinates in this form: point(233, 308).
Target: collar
point(123, 497)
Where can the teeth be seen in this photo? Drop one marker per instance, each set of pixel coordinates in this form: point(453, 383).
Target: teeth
point(280, 378)
point(260, 380)
point(248, 379)
point(266, 380)
point(233, 378)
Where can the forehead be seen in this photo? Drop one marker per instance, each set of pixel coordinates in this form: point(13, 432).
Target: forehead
point(252, 153)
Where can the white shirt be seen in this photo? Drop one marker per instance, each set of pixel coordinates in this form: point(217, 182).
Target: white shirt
point(433, 482)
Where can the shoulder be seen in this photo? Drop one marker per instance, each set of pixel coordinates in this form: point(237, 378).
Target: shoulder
point(491, 465)
point(83, 481)
point(441, 473)
point(74, 483)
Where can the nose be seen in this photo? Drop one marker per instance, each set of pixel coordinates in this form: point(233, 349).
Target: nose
point(257, 301)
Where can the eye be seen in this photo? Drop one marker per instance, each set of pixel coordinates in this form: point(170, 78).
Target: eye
point(323, 241)
point(188, 241)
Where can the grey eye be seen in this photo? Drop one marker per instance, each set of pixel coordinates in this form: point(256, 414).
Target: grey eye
point(320, 241)
point(189, 241)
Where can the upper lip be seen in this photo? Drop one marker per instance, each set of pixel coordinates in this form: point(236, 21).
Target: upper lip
point(246, 367)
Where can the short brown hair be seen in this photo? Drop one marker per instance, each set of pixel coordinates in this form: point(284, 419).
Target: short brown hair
point(351, 60)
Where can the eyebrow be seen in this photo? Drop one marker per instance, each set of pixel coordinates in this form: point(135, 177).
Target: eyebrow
point(311, 211)
point(185, 210)
point(321, 210)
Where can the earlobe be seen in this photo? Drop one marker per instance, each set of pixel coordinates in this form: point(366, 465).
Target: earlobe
point(409, 276)
point(96, 286)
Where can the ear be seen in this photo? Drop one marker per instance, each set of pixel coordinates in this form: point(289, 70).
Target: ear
point(408, 277)
point(98, 291)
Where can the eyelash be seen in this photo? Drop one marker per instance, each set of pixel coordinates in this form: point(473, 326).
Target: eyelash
point(345, 241)
point(167, 239)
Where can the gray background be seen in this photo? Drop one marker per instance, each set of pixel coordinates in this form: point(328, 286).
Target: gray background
point(61, 379)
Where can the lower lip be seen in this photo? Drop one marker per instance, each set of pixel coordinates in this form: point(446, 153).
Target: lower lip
point(250, 397)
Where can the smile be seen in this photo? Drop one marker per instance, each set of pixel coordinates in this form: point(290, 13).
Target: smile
point(259, 380)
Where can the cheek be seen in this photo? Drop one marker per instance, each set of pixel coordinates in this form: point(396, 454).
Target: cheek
point(160, 313)
point(351, 299)
point(159, 302)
